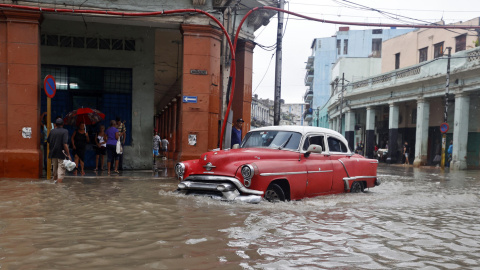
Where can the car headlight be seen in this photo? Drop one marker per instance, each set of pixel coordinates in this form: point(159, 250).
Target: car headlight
point(180, 170)
point(247, 173)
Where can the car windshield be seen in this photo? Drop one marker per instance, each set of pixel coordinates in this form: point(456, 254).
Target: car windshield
point(272, 139)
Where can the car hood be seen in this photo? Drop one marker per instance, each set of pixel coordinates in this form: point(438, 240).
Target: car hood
point(227, 162)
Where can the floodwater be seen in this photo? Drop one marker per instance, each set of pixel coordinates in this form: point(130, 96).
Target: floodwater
point(417, 219)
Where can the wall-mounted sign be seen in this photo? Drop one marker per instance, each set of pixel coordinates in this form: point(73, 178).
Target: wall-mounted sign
point(190, 99)
point(192, 139)
point(198, 72)
point(27, 132)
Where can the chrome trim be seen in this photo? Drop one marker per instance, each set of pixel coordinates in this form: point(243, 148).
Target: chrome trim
point(229, 194)
point(348, 175)
point(209, 166)
point(346, 179)
point(235, 181)
point(282, 173)
point(320, 171)
point(249, 199)
point(374, 162)
point(359, 177)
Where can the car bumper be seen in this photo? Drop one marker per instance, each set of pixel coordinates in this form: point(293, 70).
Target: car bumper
point(218, 187)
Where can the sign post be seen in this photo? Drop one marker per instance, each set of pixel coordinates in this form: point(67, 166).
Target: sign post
point(50, 89)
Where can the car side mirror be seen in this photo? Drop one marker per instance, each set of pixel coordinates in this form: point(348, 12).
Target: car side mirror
point(313, 148)
point(236, 146)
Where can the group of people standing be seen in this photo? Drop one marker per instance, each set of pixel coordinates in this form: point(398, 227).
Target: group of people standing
point(107, 142)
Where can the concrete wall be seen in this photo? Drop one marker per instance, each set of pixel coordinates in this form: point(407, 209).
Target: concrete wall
point(409, 44)
point(138, 154)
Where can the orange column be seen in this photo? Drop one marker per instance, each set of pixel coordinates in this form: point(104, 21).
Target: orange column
point(170, 129)
point(178, 145)
point(20, 154)
point(201, 80)
point(173, 139)
point(242, 98)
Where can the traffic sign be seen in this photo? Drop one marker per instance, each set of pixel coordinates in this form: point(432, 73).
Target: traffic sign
point(190, 99)
point(444, 128)
point(49, 86)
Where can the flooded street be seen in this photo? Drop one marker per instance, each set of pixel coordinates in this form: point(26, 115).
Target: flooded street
point(417, 219)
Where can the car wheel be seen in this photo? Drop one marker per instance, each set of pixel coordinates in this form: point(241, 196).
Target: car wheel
point(357, 187)
point(274, 193)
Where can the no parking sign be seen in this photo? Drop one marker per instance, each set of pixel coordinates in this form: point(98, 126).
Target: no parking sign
point(444, 127)
point(49, 86)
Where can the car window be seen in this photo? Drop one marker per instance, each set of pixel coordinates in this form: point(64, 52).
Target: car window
point(314, 139)
point(272, 139)
point(335, 145)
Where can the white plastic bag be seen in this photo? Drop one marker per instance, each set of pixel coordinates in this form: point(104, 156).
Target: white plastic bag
point(119, 147)
point(69, 165)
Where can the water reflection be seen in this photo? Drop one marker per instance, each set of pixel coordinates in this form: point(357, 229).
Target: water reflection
point(415, 219)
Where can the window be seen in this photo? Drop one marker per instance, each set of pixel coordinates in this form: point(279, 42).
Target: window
point(438, 50)
point(319, 43)
point(422, 54)
point(345, 46)
point(377, 31)
point(397, 60)
point(460, 43)
point(339, 42)
point(314, 139)
point(376, 47)
point(65, 41)
point(335, 145)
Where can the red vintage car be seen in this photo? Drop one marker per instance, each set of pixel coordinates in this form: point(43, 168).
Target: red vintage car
point(279, 163)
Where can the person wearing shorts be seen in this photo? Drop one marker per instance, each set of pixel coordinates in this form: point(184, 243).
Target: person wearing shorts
point(58, 140)
point(101, 147)
point(112, 138)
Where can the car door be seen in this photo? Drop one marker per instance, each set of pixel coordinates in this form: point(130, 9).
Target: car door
point(341, 159)
point(319, 167)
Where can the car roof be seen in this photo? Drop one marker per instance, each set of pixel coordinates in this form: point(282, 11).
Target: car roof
point(300, 129)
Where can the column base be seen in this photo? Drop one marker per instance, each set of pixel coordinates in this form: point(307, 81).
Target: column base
point(458, 165)
point(419, 162)
point(19, 163)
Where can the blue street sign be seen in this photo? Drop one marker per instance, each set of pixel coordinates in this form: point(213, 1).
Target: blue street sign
point(190, 99)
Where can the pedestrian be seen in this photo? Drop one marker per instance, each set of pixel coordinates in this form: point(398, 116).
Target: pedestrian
point(157, 143)
point(406, 150)
point(112, 137)
point(101, 147)
point(58, 140)
point(122, 131)
point(237, 132)
point(79, 144)
point(164, 147)
point(360, 148)
point(450, 151)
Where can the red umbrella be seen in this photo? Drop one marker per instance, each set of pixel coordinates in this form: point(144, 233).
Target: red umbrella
point(84, 115)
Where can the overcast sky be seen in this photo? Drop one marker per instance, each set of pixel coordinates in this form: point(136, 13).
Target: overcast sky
point(300, 33)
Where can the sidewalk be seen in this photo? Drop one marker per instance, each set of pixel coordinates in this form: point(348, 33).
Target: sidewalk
point(164, 169)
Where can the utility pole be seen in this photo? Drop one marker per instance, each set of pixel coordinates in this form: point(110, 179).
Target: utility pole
point(278, 67)
point(341, 104)
point(445, 114)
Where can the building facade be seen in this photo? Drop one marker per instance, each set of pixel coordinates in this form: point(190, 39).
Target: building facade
point(166, 73)
point(326, 52)
point(408, 103)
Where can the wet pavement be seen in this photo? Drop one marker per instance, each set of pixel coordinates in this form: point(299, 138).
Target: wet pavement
point(417, 219)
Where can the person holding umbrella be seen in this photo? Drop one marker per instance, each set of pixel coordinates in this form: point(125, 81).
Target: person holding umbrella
point(79, 143)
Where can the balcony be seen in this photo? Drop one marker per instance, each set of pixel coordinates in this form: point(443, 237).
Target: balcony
point(310, 62)
point(307, 115)
point(308, 95)
point(309, 78)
